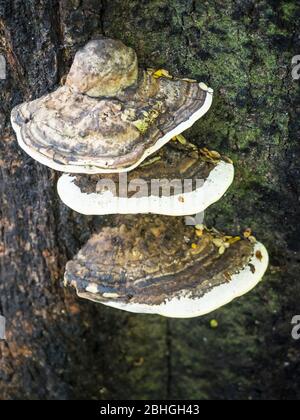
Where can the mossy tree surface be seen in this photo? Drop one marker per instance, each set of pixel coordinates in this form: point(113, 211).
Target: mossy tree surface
point(59, 347)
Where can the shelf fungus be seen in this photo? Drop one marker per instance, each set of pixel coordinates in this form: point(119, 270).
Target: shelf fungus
point(179, 180)
point(158, 265)
point(110, 115)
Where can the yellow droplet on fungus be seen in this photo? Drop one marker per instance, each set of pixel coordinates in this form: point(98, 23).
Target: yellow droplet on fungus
point(158, 74)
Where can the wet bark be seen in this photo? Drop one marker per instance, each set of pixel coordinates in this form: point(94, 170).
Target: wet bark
point(59, 347)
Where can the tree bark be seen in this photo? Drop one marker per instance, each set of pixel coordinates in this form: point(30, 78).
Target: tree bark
point(60, 347)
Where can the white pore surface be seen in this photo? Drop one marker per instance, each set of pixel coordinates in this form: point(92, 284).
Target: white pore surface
point(187, 306)
point(185, 204)
point(88, 169)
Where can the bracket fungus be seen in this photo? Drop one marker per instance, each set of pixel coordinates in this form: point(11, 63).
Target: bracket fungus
point(109, 128)
point(110, 115)
point(158, 265)
point(180, 180)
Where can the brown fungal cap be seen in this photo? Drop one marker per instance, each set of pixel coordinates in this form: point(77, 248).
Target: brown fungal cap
point(108, 117)
point(148, 263)
point(173, 161)
point(181, 179)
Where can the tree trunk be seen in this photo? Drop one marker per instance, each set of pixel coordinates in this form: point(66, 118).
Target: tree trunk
point(60, 347)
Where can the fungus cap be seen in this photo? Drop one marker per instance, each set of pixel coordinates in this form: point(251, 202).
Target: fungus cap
point(180, 180)
point(78, 130)
point(157, 265)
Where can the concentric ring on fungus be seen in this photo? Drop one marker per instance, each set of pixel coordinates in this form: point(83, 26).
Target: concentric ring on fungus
point(158, 265)
point(180, 180)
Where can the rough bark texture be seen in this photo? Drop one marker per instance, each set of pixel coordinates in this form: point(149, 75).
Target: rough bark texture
point(59, 347)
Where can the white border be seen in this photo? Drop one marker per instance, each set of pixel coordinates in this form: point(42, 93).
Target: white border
point(187, 306)
point(218, 182)
point(77, 169)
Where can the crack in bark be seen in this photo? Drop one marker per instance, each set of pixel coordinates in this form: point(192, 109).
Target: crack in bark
point(59, 40)
point(102, 15)
point(12, 58)
point(193, 7)
point(169, 359)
